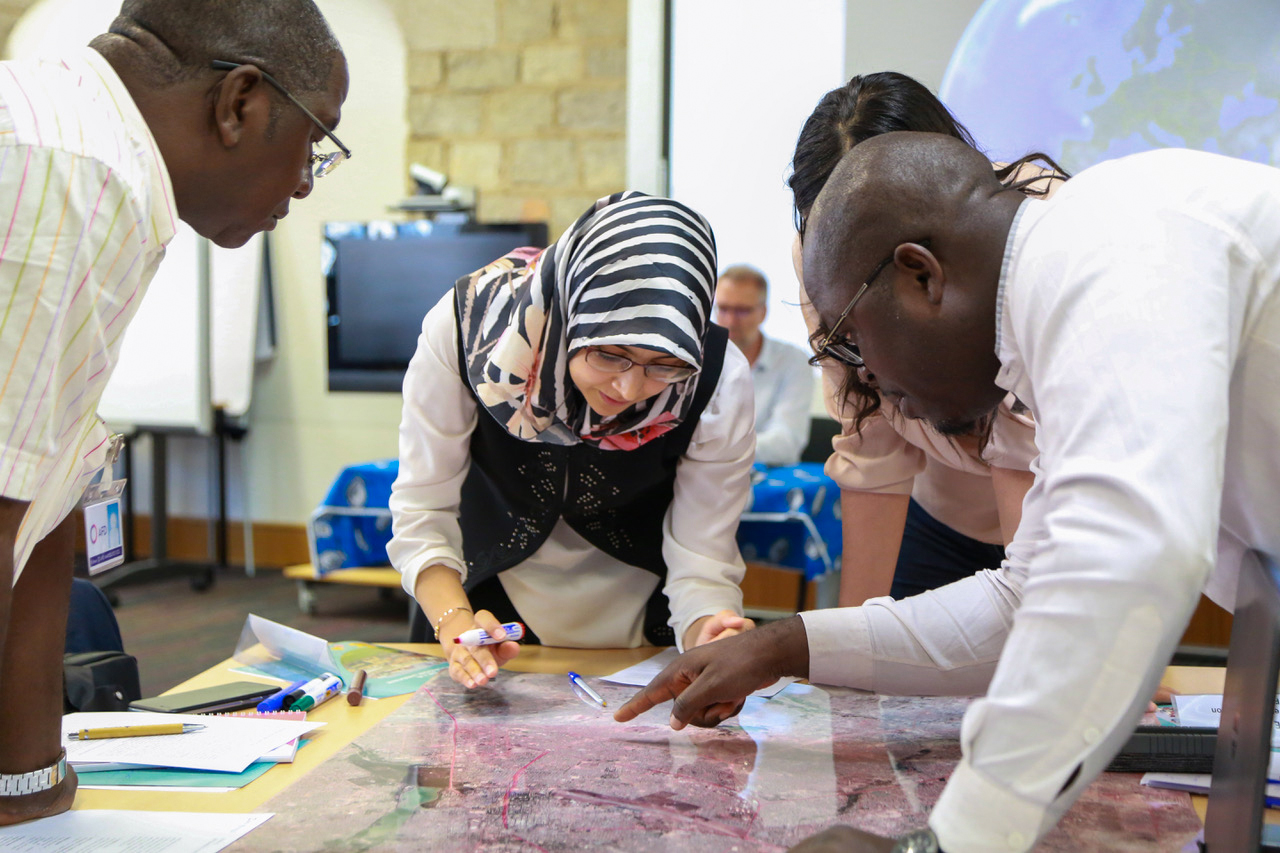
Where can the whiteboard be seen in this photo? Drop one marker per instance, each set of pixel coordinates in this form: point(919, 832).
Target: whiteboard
point(157, 380)
point(796, 54)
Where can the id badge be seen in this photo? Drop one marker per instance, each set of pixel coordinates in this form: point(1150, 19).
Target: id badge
point(103, 537)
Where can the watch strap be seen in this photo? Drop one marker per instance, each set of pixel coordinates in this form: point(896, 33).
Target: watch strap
point(917, 841)
point(34, 781)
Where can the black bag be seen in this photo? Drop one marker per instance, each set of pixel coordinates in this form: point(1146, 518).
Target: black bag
point(99, 681)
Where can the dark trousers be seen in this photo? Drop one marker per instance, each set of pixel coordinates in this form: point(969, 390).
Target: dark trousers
point(934, 555)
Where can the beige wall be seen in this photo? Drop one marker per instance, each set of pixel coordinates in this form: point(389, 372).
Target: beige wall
point(523, 99)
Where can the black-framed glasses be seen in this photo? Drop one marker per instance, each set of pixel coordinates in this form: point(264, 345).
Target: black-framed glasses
point(843, 350)
point(608, 362)
point(322, 164)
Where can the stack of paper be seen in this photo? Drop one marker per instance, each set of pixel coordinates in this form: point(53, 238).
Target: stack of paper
point(215, 758)
point(154, 832)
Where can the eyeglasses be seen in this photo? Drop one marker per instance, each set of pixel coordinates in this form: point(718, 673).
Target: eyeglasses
point(843, 350)
point(737, 310)
point(607, 362)
point(322, 164)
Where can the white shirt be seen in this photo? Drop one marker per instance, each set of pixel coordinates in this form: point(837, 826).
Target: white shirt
point(1138, 317)
point(569, 592)
point(86, 208)
point(783, 380)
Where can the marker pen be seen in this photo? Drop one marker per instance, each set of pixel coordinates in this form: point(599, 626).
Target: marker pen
point(356, 694)
point(275, 701)
point(480, 637)
point(312, 687)
point(329, 688)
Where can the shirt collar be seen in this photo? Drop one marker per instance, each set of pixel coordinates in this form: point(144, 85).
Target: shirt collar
point(1022, 220)
point(164, 209)
point(768, 353)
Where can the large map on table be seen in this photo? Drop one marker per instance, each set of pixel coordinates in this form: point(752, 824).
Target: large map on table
point(524, 765)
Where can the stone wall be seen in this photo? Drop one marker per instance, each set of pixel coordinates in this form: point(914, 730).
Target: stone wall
point(523, 99)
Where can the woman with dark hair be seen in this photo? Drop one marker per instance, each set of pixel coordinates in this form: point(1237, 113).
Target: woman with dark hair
point(576, 446)
point(920, 509)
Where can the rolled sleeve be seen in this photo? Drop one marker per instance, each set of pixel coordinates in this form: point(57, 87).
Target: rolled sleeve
point(876, 460)
point(438, 418)
point(713, 479)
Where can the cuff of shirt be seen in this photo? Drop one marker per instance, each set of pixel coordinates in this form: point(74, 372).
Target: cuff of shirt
point(409, 576)
point(682, 623)
point(976, 815)
point(839, 647)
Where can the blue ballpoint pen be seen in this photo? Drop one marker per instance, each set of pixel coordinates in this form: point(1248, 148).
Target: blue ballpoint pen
point(275, 701)
point(584, 690)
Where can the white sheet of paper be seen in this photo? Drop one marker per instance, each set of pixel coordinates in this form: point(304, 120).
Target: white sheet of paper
point(167, 789)
point(116, 831)
point(640, 674)
point(229, 744)
point(1196, 783)
point(290, 644)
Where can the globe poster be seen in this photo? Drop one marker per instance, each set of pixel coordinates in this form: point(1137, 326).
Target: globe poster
point(1091, 80)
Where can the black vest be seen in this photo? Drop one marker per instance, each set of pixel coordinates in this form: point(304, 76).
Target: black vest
point(517, 490)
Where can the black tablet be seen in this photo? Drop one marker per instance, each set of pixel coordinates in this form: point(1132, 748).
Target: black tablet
point(235, 696)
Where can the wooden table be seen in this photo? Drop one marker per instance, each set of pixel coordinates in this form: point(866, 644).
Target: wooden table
point(345, 724)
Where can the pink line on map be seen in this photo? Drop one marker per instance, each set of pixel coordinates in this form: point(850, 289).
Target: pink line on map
point(453, 755)
point(715, 826)
point(507, 796)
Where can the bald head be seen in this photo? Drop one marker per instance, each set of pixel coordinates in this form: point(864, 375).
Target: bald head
point(894, 188)
point(921, 220)
point(288, 38)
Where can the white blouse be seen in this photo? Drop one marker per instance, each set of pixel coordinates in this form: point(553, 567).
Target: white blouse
point(563, 589)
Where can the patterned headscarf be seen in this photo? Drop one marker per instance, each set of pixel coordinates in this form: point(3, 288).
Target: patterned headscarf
point(634, 270)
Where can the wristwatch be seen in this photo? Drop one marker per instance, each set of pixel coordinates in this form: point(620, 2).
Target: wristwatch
point(18, 784)
point(917, 841)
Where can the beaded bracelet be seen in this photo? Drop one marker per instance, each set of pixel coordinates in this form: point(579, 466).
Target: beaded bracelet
point(445, 615)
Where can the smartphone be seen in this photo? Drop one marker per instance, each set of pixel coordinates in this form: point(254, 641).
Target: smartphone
point(235, 696)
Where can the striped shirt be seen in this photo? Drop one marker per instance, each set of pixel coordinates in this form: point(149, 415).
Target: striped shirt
point(86, 209)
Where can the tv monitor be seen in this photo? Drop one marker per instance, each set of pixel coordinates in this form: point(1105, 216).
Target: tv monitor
point(383, 277)
point(1237, 796)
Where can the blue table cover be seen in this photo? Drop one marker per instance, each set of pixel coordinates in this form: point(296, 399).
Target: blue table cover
point(792, 519)
point(340, 540)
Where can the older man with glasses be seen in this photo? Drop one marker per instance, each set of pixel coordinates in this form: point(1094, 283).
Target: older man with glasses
point(101, 153)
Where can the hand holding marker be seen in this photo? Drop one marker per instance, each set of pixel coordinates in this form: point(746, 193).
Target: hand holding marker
point(480, 637)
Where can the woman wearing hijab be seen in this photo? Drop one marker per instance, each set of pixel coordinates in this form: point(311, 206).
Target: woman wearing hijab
point(576, 445)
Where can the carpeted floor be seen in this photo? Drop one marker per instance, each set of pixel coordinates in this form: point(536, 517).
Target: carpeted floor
point(176, 632)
